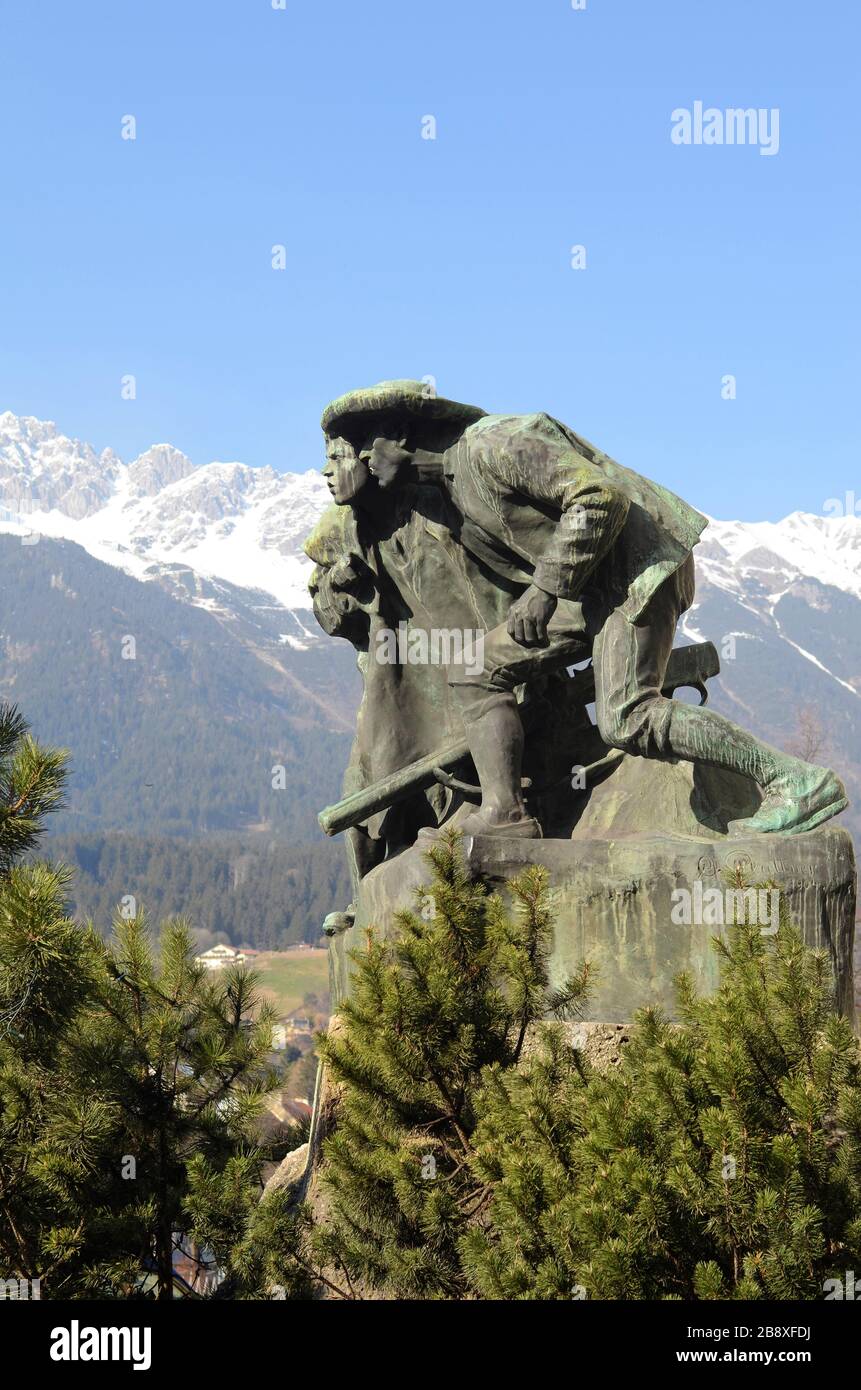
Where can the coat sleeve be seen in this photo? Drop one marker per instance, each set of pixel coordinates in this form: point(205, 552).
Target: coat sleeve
point(591, 511)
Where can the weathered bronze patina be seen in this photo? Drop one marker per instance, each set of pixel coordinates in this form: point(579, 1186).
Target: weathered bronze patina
point(475, 561)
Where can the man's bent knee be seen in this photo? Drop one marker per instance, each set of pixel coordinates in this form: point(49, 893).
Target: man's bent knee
point(641, 728)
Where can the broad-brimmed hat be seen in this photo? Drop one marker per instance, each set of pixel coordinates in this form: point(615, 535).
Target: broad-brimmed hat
point(356, 409)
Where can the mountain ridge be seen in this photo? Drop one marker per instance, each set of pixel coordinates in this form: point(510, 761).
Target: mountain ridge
point(245, 524)
point(227, 520)
point(781, 600)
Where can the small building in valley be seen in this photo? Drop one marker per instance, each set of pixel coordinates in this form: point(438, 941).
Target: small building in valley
point(219, 956)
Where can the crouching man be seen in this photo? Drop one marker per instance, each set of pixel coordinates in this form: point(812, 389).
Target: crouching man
point(597, 555)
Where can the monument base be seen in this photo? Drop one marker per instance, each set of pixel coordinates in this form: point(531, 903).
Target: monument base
point(614, 905)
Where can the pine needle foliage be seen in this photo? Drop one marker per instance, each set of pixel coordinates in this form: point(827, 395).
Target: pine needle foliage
point(720, 1160)
point(452, 992)
point(123, 1067)
point(32, 784)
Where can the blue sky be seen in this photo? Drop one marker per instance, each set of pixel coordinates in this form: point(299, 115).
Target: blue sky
point(446, 257)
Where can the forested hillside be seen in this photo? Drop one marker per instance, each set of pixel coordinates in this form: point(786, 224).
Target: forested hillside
point(181, 722)
point(263, 897)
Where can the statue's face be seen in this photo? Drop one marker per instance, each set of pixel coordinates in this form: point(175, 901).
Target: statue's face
point(345, 473)
point(385, 458)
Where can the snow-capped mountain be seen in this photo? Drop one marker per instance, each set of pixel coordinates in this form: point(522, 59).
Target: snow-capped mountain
point(780, 600)
point(247, 525)
point(208, 530)
point(782, 603)
point(775, 553)
point(224, 520)
point(766, 569)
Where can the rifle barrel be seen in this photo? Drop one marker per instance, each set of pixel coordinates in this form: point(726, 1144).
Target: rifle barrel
point(692, 665)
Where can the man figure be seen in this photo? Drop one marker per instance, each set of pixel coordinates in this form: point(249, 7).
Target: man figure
point(598, 556)
point(388, 559)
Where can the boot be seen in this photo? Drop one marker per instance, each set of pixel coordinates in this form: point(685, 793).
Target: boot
point(797, 796)
point(496, 743)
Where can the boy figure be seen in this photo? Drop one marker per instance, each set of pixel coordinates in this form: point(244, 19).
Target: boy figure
point(601, 557)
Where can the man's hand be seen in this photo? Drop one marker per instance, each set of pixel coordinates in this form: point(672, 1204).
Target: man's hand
point(529, 616)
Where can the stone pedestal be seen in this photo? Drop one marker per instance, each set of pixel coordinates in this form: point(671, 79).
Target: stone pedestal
point(612, 884)
point(613, 904)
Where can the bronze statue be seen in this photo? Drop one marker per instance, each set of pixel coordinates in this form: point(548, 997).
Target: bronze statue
point(515, 527)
